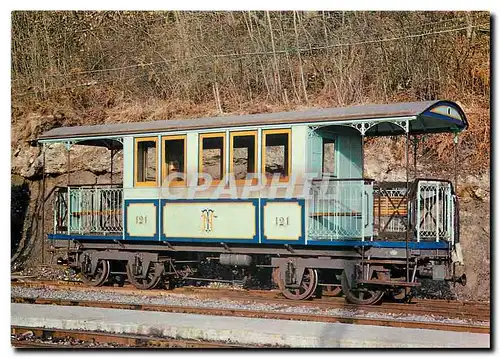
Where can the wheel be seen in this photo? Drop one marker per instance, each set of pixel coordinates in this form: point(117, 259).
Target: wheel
point(401, 294)
point(333, 289)
point(100, 276)
point(360, 295)
point(306, 289)
point(151, 281)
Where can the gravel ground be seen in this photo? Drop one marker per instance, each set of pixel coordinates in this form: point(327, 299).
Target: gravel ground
point(54, 273)
point(175, 299)
point(61, 342)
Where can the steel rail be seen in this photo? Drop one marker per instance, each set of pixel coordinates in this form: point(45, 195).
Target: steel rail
point(85, 338)
point(261, 314)
point(447, 309)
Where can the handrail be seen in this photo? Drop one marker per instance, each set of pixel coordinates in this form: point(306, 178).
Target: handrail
point(366, 180)
point(118, 185)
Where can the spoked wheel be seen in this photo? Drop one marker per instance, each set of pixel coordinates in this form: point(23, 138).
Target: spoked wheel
point(360, 295)
point(306, 289)
point(334, 288)
point(100, 276)
point(151, 280)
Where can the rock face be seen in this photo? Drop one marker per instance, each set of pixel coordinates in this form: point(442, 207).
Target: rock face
point(29, 162)
point(474, 202)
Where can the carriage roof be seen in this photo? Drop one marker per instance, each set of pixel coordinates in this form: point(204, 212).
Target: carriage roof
point(424, 117)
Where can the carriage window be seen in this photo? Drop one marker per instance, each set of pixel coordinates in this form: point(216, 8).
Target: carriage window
point(243, 154)
point(276, 153)
point(328, 156)
point(212, 155)
point(145, 161)
point(174, 157)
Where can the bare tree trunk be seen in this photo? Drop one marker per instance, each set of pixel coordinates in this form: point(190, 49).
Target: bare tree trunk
point(277, 76)
point(295, 15)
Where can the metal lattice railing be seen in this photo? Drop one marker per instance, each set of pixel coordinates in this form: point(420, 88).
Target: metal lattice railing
point(340, 209)
point(60, 210)
point(434, 217)
point(361, 209)
point(89, 210)
point(390, 209)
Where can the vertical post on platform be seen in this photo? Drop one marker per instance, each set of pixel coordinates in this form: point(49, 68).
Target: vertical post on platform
point(363, 155)
point(362, 211)
point(68, 162)
point(43, 203)
point(407, 128)
point(415, 145)
point(68, 171)
point(455, 154)
point(111, 164)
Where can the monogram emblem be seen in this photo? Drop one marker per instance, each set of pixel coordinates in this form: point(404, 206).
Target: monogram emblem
point(207, 217)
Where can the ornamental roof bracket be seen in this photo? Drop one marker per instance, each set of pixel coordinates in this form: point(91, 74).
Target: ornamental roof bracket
point(68, 144)
point(405, 125)
point(362, 127)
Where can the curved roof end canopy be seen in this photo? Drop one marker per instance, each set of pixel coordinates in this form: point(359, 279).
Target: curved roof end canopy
point(439, 117)
point(380, 119)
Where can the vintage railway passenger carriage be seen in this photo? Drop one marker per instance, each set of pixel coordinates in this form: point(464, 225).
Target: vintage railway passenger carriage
point(283, 191)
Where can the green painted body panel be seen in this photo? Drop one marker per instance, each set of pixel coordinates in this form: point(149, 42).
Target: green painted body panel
point(315, 148)
point(348, 151)
point(299, 149)
point(128, 162)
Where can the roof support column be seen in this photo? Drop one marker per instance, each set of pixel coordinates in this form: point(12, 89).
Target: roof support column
point(112, 154)
point(68, 145)
point(43, 203)
point(407, 130)
point(455, 154)
point(415, 148)
point(362, 155)
point(68, 161)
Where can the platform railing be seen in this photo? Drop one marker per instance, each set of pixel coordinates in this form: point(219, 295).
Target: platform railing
point(392, 201)
point(88, 210)
point(60, 209)
point(363, 209)
point(435, 211)
point(341, 209)
point(337, 209)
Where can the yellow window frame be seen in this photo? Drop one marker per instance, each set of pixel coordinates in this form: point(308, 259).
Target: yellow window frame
point(164, 139)
point(200, 154)
point(136, 167)
point(265, 133)
point(231, 151)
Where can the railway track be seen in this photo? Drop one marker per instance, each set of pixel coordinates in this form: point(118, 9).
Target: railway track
point(478, 311)
point(471, 328)
point(59, 338)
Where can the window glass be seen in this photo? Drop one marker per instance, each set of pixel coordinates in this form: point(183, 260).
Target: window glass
point(276, 154)
point(212, 156)
point(146, 161)
point(328, 156)
point(243, 155)
point(173, 157)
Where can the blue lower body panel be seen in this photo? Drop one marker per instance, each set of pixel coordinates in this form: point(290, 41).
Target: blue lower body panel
point(423, 245)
